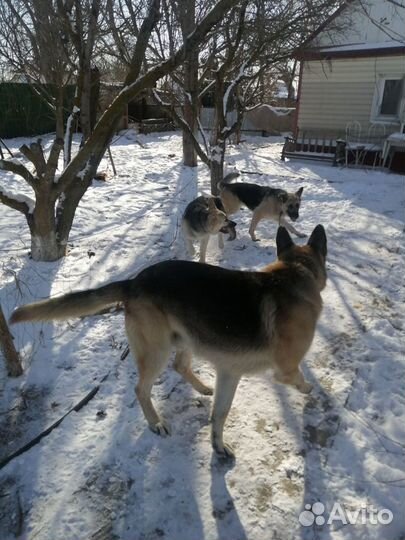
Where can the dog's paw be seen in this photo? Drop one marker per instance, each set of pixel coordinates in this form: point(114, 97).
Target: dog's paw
point(160, 428)
point(224, 452)
point(206, 391)
point(255, 239)
point(302, 235)
point(305, 387)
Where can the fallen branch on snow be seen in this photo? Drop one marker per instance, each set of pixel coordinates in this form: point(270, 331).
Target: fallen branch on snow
point(47, 431)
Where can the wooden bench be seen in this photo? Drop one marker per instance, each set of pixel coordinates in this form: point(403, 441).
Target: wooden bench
point(151, 125)
point(312, 148)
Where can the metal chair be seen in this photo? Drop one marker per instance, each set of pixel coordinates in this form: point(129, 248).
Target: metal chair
point(375, 140)
point(353, 144)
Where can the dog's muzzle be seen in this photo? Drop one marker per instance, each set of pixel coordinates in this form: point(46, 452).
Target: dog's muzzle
point(230, 229)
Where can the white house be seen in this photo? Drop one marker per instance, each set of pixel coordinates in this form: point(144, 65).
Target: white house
point(355, 75)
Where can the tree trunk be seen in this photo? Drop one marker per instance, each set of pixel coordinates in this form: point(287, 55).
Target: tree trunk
point(190, 112)
point(44, 239)
point(11, 356)
point(85, 97)
point(46, 247)
point(66, 209)
point(290, 86)
point(190, 108)
point(217, 166)
point(218, 143)
point(94, 96)
point(59, 112)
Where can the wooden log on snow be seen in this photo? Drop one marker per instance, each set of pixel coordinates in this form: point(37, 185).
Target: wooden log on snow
point(11, 356)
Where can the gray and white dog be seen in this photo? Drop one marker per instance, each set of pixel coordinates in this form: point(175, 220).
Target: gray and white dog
point(203, 217)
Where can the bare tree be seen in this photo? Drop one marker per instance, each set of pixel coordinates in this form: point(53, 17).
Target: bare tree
point(187, 16)
point(51, 43)
point(32, 47)
point(179, 18)
point(50, 218)
point(80, 26)
point(254, 37)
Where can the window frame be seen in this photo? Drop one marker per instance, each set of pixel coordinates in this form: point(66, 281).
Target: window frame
point(376, 116)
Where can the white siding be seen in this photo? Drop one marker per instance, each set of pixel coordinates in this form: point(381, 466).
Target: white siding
point(338, 91)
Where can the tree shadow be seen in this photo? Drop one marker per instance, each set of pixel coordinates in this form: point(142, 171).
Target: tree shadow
point(28, 402)
point(134, 483)
point(152, 484)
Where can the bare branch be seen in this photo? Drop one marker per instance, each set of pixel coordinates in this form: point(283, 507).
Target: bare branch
point(184, 125)
point(11, 200)
point(96, 144)
point(52, 163)
point(35, 154)
point(17, 167)
point(142, 42)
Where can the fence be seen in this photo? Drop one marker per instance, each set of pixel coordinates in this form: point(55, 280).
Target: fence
point(265, 119)
point(23, 112)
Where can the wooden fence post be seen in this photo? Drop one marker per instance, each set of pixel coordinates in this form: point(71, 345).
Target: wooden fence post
point(11, 356)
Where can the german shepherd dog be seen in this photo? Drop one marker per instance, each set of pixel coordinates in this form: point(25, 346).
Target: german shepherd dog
point(242, 322)
point(264, 202)
point(205, 216)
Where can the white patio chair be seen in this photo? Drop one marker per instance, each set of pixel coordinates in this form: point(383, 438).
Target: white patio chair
point(353, 143)
point(375, 141)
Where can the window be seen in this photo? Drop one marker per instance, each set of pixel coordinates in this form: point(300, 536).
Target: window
point(391, 96)
point(388, 99)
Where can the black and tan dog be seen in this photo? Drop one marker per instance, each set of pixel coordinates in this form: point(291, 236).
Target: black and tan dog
point(242, 322)
point(265, 203)
point(203, 217)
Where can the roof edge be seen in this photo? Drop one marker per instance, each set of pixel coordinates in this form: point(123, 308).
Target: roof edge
point(313, 54)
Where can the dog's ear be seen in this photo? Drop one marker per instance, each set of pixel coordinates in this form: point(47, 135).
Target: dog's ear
point(299, 192)
point(219, 204)
point(283, 197)
point(283, 240)
point(230, 176)
point(211, 203)
point(318, 240)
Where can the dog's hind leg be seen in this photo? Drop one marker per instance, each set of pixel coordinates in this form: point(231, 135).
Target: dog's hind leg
point(182, 364)
point(149, 367)
point(225, 388)
point(150, 347)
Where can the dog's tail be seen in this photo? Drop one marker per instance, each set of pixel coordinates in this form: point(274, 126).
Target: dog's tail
point(70, 305)
point(228, 178)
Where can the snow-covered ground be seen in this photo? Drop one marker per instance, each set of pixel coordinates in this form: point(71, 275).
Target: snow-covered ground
point(103, 475)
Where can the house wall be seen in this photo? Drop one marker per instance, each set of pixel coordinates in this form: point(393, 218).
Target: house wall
point(339, 91)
